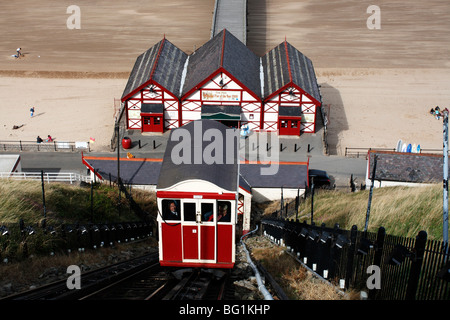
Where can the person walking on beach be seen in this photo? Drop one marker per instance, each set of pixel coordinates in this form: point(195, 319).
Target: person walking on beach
point(32, 111)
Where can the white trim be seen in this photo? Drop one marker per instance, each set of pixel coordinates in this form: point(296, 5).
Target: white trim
point(183, 75)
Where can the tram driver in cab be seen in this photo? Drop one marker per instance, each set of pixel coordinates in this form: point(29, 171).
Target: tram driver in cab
point(172, 212)
point(223, 215)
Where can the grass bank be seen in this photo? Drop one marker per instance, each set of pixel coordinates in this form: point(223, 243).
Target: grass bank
point(402, 211)
point(64, 205)
point(67, 203)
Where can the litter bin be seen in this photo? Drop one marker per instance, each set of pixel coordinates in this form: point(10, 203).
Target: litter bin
point(126, 143)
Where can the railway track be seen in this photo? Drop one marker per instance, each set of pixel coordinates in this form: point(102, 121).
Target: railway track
point(90, 281)
point(141, 278)
point(159, 283)
point(194, 284)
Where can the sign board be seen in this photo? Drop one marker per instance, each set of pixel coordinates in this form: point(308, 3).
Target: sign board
point(220, 95)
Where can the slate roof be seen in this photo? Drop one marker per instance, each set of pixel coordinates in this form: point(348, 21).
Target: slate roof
point(406, 167)
point(132, 171)
point(147, 172)
point(289, 175)
point(163, 63)
point(180, 74)
point(222, 172)
point(223, 50)
point(284, 64)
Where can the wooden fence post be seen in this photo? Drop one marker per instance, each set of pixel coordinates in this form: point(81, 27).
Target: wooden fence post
point(416, 265)
point(377, 257)
point(351, 256)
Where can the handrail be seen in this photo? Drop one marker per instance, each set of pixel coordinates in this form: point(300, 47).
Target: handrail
point(22, 145)
point(48, 176)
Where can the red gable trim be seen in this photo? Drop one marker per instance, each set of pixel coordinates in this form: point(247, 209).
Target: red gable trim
point(287, 58)
point(157, 57)
point(89, 166)
point(145, 84)
point(215, 73)
point(291, 84)
point(223, 49)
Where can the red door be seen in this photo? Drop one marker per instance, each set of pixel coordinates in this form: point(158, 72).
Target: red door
point(152, 123)
point(199, 231)
point(289, 126)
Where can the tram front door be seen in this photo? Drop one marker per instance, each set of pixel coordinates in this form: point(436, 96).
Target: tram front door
point(199, 236)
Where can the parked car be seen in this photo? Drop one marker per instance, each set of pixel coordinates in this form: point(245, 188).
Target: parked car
point(321, 179)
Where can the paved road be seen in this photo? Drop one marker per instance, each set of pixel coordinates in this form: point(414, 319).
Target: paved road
point(339, 168)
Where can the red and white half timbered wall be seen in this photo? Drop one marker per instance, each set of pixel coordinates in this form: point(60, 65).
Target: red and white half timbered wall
point(221, 89)
point(292, 96)
point(152, 93)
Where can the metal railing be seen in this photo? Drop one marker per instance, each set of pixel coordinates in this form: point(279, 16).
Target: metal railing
point(362, 152)
point(70, 177)
point(22, 145)
point(410, 268)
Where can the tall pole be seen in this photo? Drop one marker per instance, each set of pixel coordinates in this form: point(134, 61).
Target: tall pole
point(370, 193)
point(118, 157)
point(445, 181)
point(312, 201)
point(43, 199)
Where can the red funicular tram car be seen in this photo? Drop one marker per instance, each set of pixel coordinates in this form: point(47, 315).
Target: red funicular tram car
point(197, 194)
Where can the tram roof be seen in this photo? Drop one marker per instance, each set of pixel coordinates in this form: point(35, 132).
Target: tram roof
point(187, 156)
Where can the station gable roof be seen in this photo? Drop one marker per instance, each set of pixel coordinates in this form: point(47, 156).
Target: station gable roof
point(285, 65)
point(223, 51)
point(163, 63)
point(181, 74)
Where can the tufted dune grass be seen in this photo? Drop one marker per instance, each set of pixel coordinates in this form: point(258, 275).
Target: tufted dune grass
point(402, 211)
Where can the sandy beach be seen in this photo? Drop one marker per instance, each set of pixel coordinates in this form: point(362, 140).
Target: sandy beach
point(377, 85)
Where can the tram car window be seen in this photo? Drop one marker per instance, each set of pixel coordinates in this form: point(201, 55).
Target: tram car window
point(207, 212)
point(171, 209)
point(189, 211)
point(223, 211)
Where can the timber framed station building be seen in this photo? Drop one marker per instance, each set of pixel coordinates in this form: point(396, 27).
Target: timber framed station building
point(222, 80)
